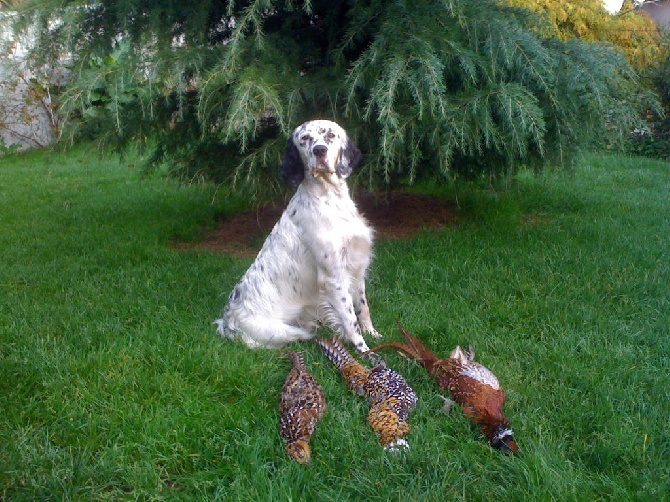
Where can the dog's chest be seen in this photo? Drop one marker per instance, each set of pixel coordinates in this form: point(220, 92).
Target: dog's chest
point(342, 219)
point(328, 216)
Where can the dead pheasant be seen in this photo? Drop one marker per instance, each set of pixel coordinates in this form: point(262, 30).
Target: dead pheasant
point(472, 385)
point(301, 406)
point(389, 395)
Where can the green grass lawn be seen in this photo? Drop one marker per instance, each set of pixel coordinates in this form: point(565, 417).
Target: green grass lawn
point(114, 386)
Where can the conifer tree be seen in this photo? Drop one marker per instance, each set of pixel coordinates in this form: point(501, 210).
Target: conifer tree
point(428, 88)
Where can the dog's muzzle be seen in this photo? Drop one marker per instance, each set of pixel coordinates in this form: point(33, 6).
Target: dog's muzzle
point(320, 151)
point(321, 166)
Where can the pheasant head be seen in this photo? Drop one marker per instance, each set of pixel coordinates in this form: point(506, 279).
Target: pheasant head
point(299, 451)
point(503, 439)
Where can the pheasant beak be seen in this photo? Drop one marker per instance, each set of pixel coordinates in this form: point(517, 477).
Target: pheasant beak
point(509, 446)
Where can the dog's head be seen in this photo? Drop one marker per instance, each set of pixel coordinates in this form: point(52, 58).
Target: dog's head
point(319, 149)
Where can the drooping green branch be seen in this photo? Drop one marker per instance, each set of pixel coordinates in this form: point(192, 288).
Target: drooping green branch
point(426, 87)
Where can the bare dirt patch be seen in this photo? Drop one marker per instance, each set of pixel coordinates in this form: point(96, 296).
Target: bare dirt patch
point(393, 215)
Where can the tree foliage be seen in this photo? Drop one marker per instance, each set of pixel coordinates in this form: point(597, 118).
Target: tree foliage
point(633, 31)
point(426, 87)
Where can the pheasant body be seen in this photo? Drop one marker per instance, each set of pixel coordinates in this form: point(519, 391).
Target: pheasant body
point(471, 384)
point(387, 392)
point(301, 406)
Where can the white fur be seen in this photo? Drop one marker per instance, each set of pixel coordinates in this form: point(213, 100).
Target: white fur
point(311, 269)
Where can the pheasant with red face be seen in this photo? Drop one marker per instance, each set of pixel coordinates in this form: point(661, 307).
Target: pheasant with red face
point(472, 385)
point(389, 395)
point(301, 406)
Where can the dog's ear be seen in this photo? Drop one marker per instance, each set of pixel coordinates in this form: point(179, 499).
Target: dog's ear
point(292, 169)
point(350, 157)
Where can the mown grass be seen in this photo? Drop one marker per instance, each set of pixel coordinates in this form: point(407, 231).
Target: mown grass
point(114, 386)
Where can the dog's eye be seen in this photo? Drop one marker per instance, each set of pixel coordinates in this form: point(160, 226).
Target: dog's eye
point(305, 137)
point(330, 135)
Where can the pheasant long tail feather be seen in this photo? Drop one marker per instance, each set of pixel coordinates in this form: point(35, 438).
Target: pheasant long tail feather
point(413, 347)
point(296, 358)
point(334, 351)
point(418, 349)
point(396, 345)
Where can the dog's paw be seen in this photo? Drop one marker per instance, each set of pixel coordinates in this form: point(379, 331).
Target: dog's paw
point(361, 346)
point(374, 333)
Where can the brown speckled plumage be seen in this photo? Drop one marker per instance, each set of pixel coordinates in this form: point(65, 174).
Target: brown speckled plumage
point(301, 406)
point(389, 395)
point(472, 385)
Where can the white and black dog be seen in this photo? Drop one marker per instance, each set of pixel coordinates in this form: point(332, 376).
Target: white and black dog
point(311, 269)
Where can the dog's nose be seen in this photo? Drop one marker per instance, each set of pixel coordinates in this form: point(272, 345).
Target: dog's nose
point(320, 150)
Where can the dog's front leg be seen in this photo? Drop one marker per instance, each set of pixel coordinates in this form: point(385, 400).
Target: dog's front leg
point(337, 306)
point(361, 308)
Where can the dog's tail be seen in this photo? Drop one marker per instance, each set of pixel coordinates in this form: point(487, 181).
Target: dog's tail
point(222, 328)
